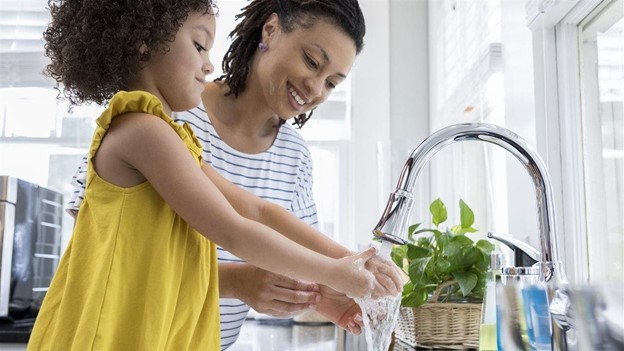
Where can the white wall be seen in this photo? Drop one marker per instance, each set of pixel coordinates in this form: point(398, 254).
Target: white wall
point(409, 91)
point(370, 120)
point(390, 105)
point(517, 67)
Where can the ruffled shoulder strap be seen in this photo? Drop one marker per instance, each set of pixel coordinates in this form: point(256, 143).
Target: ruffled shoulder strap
point(142, 102)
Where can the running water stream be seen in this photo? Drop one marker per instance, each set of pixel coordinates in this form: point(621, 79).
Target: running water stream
point(380, 315)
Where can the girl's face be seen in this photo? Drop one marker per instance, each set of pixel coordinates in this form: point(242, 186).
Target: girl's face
point(177, 77)
point(301, 68)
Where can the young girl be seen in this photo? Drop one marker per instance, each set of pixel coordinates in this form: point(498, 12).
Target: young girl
point(245, 139)
point(137, 274)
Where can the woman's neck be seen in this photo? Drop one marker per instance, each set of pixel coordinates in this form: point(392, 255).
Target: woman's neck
point(244, 122)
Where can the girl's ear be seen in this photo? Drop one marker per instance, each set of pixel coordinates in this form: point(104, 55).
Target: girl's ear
point(270, 28)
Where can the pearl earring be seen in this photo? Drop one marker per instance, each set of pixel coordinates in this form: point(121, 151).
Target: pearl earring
point(263, 46)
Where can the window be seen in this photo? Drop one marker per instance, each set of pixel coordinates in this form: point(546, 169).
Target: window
point(601, 50)
point(328, 134)
point(580, 87)
point(40, 141)
point(479, 74)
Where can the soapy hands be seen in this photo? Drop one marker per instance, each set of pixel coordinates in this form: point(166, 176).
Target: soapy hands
point(344, 311)
point(281, 296)
point(365, 275)
point(388, 274)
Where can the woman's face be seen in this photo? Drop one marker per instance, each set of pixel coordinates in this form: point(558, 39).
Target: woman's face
point(299, 69)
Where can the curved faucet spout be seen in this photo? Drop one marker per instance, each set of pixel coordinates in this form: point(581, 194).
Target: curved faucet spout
point(393, 223)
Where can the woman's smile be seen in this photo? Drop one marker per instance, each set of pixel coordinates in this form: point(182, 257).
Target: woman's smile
point(295, 98)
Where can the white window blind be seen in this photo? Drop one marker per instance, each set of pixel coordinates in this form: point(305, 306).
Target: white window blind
point(465, 51)
point(22, 23)
point(481, 71)
point(467, 86)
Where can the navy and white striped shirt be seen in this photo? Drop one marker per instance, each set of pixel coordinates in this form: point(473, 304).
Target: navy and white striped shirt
point(282, 174)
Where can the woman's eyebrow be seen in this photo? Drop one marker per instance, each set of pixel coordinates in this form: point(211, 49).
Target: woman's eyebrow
point(326, 58)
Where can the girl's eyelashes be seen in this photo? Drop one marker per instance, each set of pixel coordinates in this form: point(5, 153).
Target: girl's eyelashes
point(199, 47)
point(331, 85)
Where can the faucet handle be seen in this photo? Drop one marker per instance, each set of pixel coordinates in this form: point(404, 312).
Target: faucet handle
point(525, 255)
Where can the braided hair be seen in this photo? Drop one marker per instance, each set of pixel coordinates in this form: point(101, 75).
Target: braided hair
point(344, 14)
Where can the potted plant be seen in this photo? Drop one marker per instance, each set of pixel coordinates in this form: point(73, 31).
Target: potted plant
point(441, 302)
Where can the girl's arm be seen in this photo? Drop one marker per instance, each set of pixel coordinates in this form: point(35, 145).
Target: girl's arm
point(139, 146)
point(279, 219)
point(275, 216)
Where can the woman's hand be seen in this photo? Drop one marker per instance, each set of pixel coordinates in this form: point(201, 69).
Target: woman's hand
point(340, 310)
point(266, 292)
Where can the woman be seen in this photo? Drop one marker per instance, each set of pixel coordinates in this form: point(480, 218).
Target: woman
point(282, 54)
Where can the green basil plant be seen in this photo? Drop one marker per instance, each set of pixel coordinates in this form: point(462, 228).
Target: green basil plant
point(445, 259)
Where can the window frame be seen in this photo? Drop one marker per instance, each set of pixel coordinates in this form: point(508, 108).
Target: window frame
point(559, 122)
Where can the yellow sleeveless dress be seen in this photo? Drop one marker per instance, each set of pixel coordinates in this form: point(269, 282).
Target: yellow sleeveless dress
point(135, 275)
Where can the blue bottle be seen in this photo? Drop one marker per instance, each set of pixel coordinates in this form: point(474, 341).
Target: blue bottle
point(537, 316)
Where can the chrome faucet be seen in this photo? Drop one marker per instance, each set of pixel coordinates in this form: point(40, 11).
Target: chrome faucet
point(393, 223)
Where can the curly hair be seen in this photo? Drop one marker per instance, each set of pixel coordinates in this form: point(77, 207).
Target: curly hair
point(345, 14)
point(94, 45)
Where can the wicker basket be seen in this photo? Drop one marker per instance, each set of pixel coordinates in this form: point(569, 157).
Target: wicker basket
point(440, 325)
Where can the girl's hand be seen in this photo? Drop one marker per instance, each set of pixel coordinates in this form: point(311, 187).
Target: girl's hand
point(388, 274)
point(355, 279)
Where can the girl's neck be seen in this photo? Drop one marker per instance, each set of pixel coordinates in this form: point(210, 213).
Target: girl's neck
point(166, 107)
